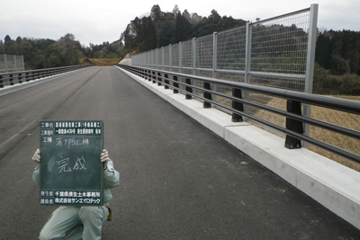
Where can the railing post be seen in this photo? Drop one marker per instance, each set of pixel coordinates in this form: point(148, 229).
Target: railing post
point(176, 85)
point(159, 79)
point(153, 77)
point(11, 79)
point(236, 92)
point(166, 81)
point(148, 73)
point(143, 74)
point(293, 125)
point(207, 95)
point(188, 89)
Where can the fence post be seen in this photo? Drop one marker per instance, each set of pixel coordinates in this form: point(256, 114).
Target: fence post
point(15, 63)
point(194, 55)
point(310, 61)
point(248, 62)
point(180, 57)
point(162, 58)
point(293, 125)
point(170, 58)
point(236, 92)
point(214, 54)
point(22, 61)
point(156, 58)
point(6, 65)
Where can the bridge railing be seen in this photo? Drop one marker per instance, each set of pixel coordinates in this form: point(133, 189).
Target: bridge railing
point(205, 89)
point(13, 78)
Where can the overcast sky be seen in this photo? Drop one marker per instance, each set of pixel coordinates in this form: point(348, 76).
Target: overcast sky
point(101, 21)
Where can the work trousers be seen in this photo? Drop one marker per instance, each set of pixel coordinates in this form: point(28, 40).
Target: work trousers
point(69, 222)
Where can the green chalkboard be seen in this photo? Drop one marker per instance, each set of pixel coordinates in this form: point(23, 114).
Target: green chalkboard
point(70, 168)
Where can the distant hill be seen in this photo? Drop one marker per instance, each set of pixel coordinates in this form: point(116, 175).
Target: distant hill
point(101, 61)
point(160, 28)
point(337, 69)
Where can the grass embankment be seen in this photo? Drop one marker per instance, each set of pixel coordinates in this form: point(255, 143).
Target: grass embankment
point(101, 61)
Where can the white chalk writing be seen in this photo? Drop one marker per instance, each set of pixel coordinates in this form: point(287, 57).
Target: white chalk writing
point(64, 165)
point(80, 164)
point(72, 142)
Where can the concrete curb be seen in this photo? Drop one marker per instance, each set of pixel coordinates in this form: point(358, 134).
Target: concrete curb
point(331, 184)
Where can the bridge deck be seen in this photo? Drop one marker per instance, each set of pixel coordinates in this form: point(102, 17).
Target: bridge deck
point(178, 179)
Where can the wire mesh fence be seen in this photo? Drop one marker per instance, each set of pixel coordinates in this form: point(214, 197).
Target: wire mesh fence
point(280, 45)
point(11, 63)
point(231, 49)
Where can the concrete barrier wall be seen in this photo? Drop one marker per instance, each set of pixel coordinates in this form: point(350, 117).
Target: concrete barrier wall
point(331, 184)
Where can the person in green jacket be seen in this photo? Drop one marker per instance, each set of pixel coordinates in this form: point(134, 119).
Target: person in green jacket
point(80, 222)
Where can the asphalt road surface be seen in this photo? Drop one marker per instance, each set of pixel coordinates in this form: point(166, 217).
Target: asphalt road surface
point(178, 179)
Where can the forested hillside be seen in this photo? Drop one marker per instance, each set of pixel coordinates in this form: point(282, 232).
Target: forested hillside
point(47, 53)
point(163, 28)
point(337, 69)
point(337, 57)
point(142, 34)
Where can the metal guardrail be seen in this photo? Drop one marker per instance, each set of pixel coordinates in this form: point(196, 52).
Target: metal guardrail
point(295, 120)
point(7, 79)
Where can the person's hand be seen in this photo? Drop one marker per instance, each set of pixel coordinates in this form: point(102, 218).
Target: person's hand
point(104, 158)
point(36, 158)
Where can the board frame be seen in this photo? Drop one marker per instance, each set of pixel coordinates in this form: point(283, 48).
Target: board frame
point(70, 167)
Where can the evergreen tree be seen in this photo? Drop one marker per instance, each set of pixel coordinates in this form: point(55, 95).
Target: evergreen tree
point(166, 32)
point(182, 29)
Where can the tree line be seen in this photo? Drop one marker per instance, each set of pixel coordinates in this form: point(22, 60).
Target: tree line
point(160, 28)
point(142, 34)
point(48, 53)
point(43, 53)
point(337, 68)
point(339, 51)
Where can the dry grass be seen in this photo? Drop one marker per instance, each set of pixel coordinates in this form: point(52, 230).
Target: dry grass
point(343, 119)
point(340, 118)
point(101, 61)
point(347, 120)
